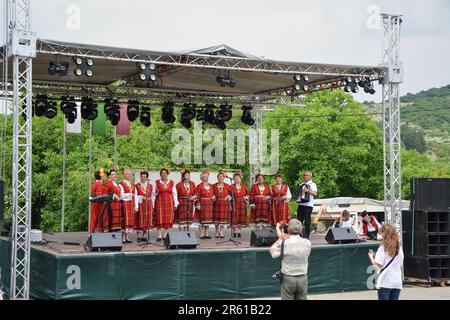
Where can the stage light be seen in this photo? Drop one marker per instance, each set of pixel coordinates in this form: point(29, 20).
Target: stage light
point(88, 109)
point(226, 81)
point(147, 71)
point(350, 84)
point(367, 85)
point(167, 112)
point(44, 107)
point(132, 110)
point(59, 68)
point(208, 114)
point(69, 108)
point(83, 66)
point(112, 110)
point(301, 82)
point(224, 114)
point(247, 115)
point(187, 114)
point(144, 117)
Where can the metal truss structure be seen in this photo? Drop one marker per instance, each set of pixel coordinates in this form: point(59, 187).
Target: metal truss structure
point(22, 46)
point(391, 119)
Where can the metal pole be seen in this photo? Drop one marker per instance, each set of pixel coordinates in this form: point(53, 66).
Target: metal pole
point(63, 196)
point(90, 172)
point(256, 145)
point(115, 148)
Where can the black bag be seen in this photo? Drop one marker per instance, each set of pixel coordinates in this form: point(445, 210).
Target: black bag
point(279, 275)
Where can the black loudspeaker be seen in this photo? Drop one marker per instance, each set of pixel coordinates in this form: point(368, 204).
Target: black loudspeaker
point(2, 199)
point(341, 235)
point(430, 194)
point(263, 238)
point(105, 241)
point(181, 240)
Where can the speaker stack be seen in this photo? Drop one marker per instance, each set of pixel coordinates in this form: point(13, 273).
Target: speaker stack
point(426, 230)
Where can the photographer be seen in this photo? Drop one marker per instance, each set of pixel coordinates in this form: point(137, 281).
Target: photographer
point(294, 264)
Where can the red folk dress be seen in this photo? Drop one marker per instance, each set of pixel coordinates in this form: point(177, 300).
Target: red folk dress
point(260, 212)
point(115, 221)
point(185, 211)
point(128, 205)
point(98, 189)
point(145, 217)
point(240, 216)
point(222, 207)
point(165, 204)
point(205, 214)
point(280, 208)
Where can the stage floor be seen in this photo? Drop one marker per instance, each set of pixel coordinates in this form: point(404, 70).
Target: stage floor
point(56, 242)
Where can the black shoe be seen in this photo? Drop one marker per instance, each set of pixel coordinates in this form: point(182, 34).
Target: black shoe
point(216, 236)
point(208, 237)
point(221, 237)
point(124, 241)
point(128, 241)
point(144, 239)
point(139, 239)
point(234, 235)
point(159, 239)
point(239, 235)
point(201, 238)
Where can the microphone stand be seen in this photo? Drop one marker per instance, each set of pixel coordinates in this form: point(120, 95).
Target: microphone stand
point(233, 209)
point(147, 242)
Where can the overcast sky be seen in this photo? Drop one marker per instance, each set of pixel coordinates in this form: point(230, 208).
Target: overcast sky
point(325, 31)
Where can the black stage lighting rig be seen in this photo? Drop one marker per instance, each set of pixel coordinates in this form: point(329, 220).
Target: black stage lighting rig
point(167, 112)
point(225, 80)
point(112, 110)
point(58, 68)
point(144, 117)
point(247, 115)
point(208, 114)
point(350, 84)
point(301, 82)
point(367, 85)
point(133, 110)
point(223, 115)
point(69, 108)
point(83, 66)
point(88, 109)
point(187, 114)
point(44, 107)
point(147, 71)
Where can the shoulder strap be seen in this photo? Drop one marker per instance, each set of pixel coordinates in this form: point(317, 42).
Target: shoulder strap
point(396, 253)
point(282, 249)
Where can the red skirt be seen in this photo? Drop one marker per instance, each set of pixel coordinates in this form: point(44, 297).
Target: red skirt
point(261, 210)
point(116, 220)
point(185, 211)
point(164, 209)
point(102, 224)
point(128, 216)
point(280, 212)
point(222, 211)
point(141, 222)
point(240, 217)
point(206, 212)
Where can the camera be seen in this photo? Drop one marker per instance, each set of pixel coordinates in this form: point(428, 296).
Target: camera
point(277, 276)
point(284, 228)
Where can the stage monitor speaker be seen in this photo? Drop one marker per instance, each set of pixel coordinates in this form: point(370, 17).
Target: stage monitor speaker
point(430, 194)
point(181, 240)
point(263, 238)
point(105, 241)
point(341, 235)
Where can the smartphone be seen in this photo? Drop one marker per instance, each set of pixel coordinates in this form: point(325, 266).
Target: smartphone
point(371, 252)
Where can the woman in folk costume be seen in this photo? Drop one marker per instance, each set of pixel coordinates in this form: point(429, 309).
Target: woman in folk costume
point(260, 197)
point(166, 201)
point(281, 195)
point(113, 188)
point(204, 206)
point(129, 205)
point(186, 199)
point(239, 205)
point(144, 217)
point(97, 223)
point(222, 204)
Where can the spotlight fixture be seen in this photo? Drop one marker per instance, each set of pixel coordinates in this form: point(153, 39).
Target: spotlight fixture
point(351, 84)
point(69, 108)
point(88, 109)
point(301, 82)
point(167, 112)
point(208, 114)
point(247, 116)
point(187, 114)
point(83, 66)
point(224, 114)
point(367, 85)
point(146, 71)
point(112, 110)
point(144, 117)
point(44, 107)
point(225, 80)
point(58, 68)
point(132, 110)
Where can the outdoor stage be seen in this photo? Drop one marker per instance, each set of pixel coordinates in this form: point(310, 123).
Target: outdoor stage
point(212, 271)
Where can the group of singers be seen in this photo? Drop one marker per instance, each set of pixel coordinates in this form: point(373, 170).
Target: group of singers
point(144, 206)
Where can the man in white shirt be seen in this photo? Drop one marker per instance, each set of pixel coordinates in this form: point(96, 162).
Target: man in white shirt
point(294, 265)
point(305, 208)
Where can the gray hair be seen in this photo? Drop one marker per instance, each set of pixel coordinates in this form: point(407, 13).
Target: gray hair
point(295, 227)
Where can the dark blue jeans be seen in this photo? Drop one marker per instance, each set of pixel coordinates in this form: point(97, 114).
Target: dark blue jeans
point(388, 294)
